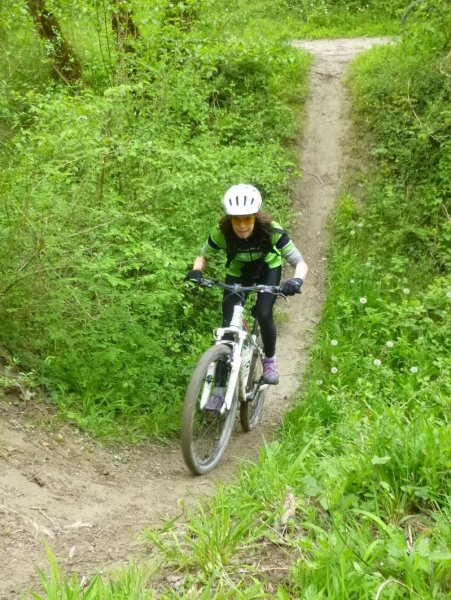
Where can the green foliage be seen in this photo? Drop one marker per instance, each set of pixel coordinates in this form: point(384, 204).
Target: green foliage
point(128, 584)
point(306, 8)
point(334, 18)
point(288, 19)
point(108, 192)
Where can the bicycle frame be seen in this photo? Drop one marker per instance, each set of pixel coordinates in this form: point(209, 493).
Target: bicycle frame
point(240, 364)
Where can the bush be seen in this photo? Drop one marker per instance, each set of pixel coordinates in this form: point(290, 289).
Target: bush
point(108, 195)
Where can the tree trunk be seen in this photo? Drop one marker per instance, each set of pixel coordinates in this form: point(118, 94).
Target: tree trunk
point(124, 27)
point(65, 64)
point(127, 33)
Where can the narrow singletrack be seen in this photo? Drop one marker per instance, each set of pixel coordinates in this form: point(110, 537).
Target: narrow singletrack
point(91, 503)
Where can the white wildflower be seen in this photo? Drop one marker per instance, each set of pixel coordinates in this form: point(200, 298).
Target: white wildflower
point(352, 232)
point(406, 291)
point(413, 370)
point(377, 362)
point(363, 300)
point(389, 344)
point(319, 382)
point(333, 342)
point(334, 370)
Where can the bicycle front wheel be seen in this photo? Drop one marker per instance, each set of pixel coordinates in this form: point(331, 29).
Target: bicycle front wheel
point(205, 434)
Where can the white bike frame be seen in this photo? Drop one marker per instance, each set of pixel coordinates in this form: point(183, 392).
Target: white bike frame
point(240, 363)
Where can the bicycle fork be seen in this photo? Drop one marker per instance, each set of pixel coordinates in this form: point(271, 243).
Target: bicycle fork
point(233, 377)
point(234, 374)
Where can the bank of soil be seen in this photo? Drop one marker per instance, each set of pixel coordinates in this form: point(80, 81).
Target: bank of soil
point(90, 503)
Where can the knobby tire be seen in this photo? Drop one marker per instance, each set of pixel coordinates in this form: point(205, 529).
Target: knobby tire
point(251, 409)
point(205, 434)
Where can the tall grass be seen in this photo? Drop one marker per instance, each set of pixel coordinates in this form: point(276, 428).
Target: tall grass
point(316, 18)
point(130, 584)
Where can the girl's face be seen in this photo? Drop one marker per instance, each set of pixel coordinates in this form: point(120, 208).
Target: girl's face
point(243, 226)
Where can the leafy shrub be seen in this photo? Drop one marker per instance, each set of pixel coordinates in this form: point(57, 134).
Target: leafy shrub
point(107, 196)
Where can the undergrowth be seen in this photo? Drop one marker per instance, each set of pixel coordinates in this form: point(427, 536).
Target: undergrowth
point(109, 188)
point(317, 18)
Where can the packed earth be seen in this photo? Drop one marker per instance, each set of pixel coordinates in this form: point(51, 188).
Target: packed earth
point(88, 502)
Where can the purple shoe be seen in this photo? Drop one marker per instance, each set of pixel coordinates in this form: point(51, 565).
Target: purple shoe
point(270, 372)
point(214, 403)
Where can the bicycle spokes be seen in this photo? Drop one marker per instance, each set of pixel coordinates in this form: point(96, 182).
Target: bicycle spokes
point(205, 433)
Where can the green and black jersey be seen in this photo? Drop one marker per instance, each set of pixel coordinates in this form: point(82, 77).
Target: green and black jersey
point(250, 258)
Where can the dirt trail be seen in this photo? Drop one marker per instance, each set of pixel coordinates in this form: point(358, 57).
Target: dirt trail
point(90, 503)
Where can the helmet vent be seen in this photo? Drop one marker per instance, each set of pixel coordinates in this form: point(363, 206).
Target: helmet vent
point(242, 199)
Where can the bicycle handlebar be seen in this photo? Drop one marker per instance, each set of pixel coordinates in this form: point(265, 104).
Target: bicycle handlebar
point(237, 288)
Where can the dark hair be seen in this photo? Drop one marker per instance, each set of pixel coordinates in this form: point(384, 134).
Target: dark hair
point(261, 234)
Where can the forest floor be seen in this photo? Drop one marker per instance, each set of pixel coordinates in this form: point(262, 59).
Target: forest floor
point(89, 502)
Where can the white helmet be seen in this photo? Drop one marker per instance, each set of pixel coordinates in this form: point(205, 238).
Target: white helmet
point(242, 199)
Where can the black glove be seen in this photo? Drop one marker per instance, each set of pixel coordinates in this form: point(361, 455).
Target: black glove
point(195, 276)
point(290, 287)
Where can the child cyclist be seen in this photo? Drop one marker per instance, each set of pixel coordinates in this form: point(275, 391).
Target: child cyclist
point(255, 247)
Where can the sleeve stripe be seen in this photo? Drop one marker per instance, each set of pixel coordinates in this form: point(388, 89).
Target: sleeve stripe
point(212, 243)
point(283, 241)
point(293, 256)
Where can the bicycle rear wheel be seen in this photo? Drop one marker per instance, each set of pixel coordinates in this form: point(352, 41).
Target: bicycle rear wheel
point(205, 434)
point(251, 408)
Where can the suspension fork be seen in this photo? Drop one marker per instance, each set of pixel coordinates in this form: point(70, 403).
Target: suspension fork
point(235, 364)
point(239, 335)
point(234, 373)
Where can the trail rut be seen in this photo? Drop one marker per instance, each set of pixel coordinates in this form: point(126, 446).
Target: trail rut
point(90, 503)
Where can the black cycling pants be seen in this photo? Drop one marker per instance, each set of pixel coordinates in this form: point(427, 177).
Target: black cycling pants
point(263, 308)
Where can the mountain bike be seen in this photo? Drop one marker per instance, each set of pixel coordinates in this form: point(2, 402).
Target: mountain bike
point(236, 359)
